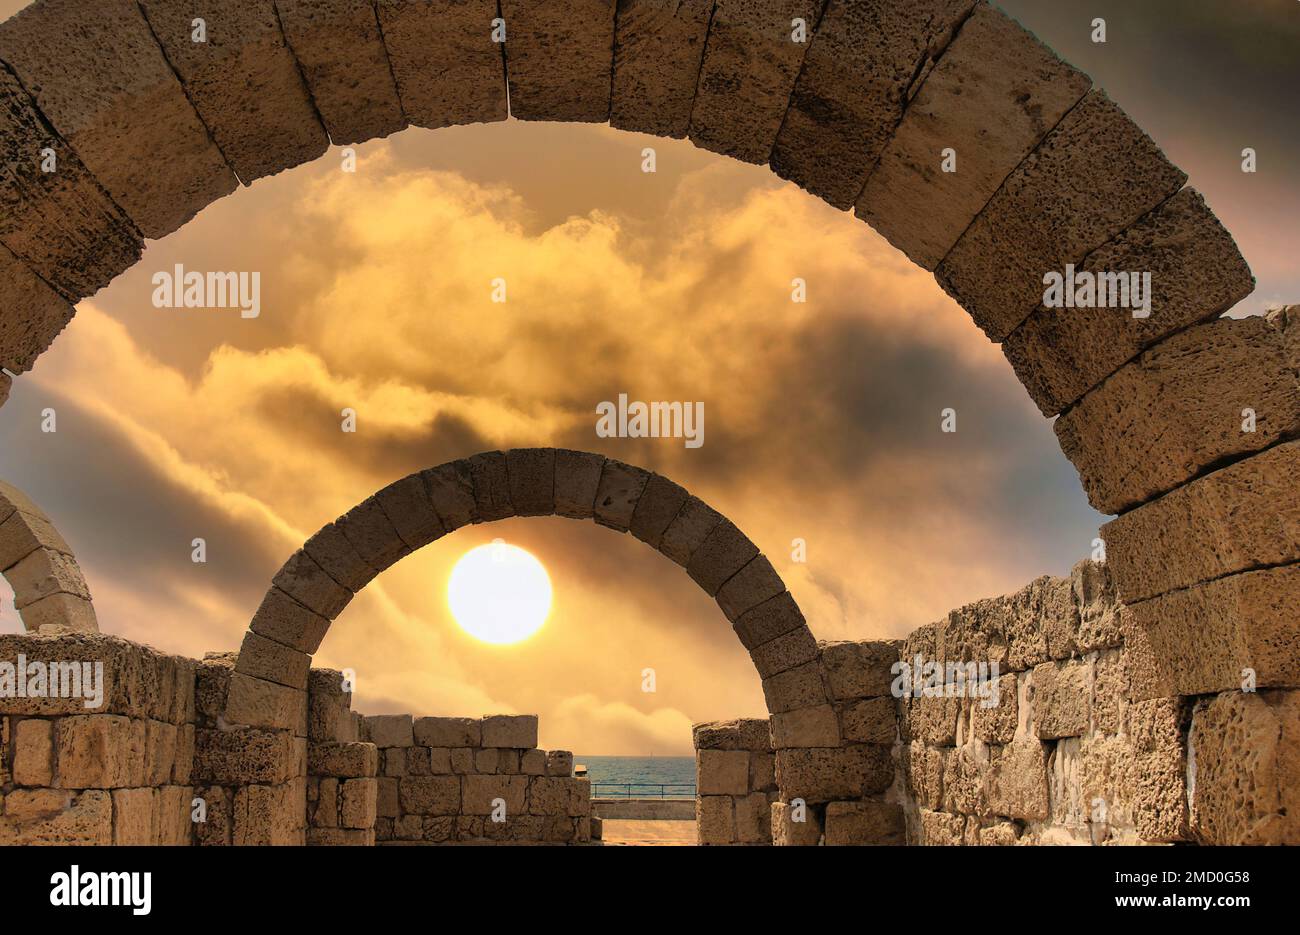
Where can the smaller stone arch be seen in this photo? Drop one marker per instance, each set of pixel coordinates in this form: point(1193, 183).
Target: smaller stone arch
point(267, 688)
point(49, 589)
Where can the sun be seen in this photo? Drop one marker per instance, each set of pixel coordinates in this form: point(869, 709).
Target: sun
point(499, 593)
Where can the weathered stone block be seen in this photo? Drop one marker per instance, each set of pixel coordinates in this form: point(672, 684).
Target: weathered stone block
point(266, 659)
point(923, 773)
point(1247, 772)
point(1246, 515)
point(865, 823)
point(447, 732)
point(722, 772)
point(751, 734)
point(995, 722)
point(103, 83)
point(532, 480)
point(257, 703)
point(46, 816)
point(773, 618)
point(508, 730)
point(373, 535)
point(33, 752)
point(307, 583)
point(344, 760)
point(491, 478)
point(531, 763)
point(785, 652)
point(860, 669)
point(1157, 730)
point(753, 584)
point(236, 757)
point(431, 795)
point(244, 82)
point(62, 224)
point(800, 687)
point(932, 718)
point(817, 726)
point(753, 816)
point(1062, 693)
point(559, 58)
point(281, 618)
point(270, 815)
point(559, 763)
point(620, 488)
point(358, 803)
point(824, 775)
point(795, 826)
point(407, 505)
point(854, 84)
point(686, 533)
point(34, 315)
point(389, 730)
point(1070, 196)
point(1017, 782)
point(328, 701)
point(449, 71)
point(722, 554)
point(577, 478)
point(939, 829)
point(341, 53)
point(451, 488)
point(479, 792)
point(42, 573)
point(715, 820)
point(993, 74)
point(1179, 408)
point(658, 45)
point(1197, 273)
point(749, 68)
point(133, 817)
point(657, 507)
point(1101, 614)
point(1204, 639)
point(96, 752)
point(874, 720)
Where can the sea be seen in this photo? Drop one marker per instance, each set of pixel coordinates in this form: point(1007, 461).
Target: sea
point(672, 777)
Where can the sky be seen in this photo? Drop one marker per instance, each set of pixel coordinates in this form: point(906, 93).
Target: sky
point(822, 418)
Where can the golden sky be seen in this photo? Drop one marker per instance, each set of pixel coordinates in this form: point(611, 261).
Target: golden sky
point(822, 419)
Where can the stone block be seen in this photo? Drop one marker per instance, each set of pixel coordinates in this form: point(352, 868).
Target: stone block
point(479, 794)
point(1179, 408)
point(33, 752)
point(658, 45)
point(827, 774)
point(747, 73)
point(577, 478)
point(507, 730)
point(532, 480)
point(785, 652)
point(722, 772)
point(995, 722)
point(1101, 614)
point(762, 772)
point(658, 506)
point(715, 820)
point(932, 718)
point(548, 796)
point(373, 535)
point(860, 669)
point(722, 554)
point(559, 763)
point(388, 803)
point(341, 53)
point(34, 316)
point(1017, 783)
point(874, 720)
point(753, 817)
point(345, 760)
point(449, 71)
point(447, 732)
point(617, 494)
point(281, 618)
point(430, 795)
point(1247, 772)
point(1062, 695)
point(795, 826)
point(257, 703)
point(61, 224)
point(994, 73)
point(690, 527)
point(1090, 179)
point(451, 488)
point(1157, 730)
point(939, 829)
point(923, 773)
point(817, 726)
point(531, 763)
point(307, 583)
point(559, 59)
point(873, 823)
point(42, 573)
point(96, 751)
point(859, 72)
point(103, 83)
point(133, 817)
point(244, 82)
point(358, 803)
point(407, 505)
point(774, 617)
point(332, 551)
point(491, 479)
point(389, 730)
point(1109, 691)
point(266, 659)
point(46, 816)
point(1246, 515)
point(753, 584)
point(329, 717)
point(172, 819)
point(269, 815)
point(247, 755)
point(751, 734)
point(1197, 273)
point(800, 687)
point(1204, 639)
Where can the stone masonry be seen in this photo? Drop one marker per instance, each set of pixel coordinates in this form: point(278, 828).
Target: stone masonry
point(735, 782)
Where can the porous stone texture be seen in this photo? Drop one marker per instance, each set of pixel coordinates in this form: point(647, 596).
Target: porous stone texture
point(874, 823)
point(1244, 516)
point(1245, 770)
point(244, 82)
point(860, 68)
point(1182, 407)
point(735, 782)
point(749, 68)
point(577, 477)
point(448, 69)
point(532, 480)
point(1197, 273)
point(34, 314)
point(993, 95)
point(1220, 635)
point(559, 58)
point(660, 502)
point(61, 223)
point(338, 46)
point(48, 587)
point(617, 494)
point(408, 507)
point(1090, 179)
point(658, 45)
point(103, 83)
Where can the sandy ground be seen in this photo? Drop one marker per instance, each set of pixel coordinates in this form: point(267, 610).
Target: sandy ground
point(623, 831)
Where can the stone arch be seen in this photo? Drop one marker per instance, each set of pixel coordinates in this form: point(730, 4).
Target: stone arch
point(268, 687)
point(149, 126)
point(48, 586)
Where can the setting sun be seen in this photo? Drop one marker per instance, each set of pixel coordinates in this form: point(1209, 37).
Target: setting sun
point(499, 593)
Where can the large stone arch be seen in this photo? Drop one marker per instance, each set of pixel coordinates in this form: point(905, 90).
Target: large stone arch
point(148, 127)
point(268, 687)
point(49, 589)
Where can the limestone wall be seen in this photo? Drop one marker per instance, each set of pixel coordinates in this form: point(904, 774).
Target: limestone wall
point(480, 780)
point(735, 782)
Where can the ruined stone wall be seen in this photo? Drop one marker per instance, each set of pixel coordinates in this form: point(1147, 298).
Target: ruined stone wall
point(117, 773)
point(481, 780)
point(735, 782)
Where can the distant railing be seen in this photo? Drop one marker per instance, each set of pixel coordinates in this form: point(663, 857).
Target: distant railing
point(634, 790)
